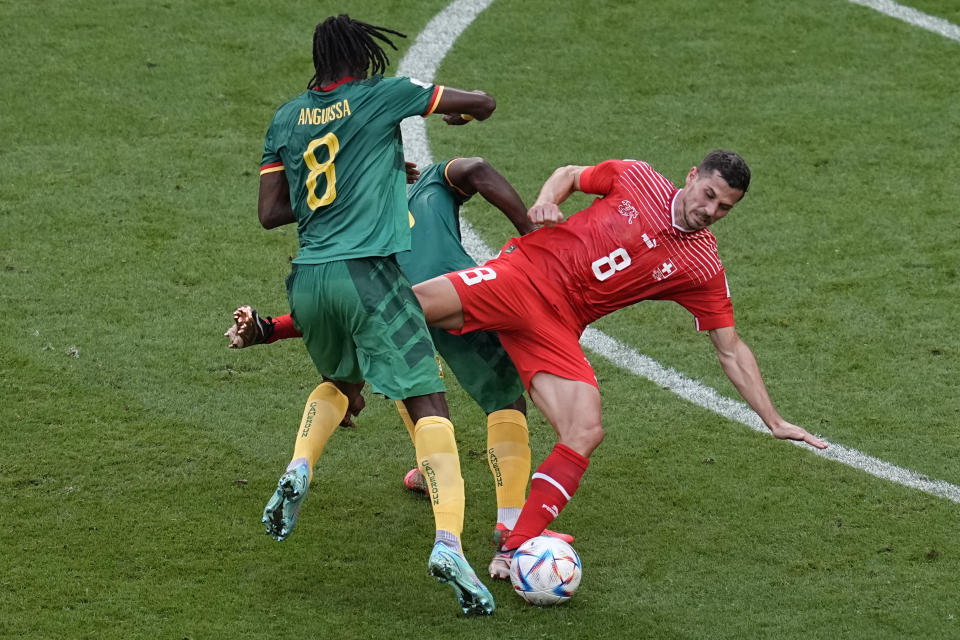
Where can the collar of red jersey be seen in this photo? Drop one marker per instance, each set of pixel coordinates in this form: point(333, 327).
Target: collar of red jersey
point(334, 85)
point(673, 214)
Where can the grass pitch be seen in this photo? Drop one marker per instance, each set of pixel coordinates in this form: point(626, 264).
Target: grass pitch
point(138, 452)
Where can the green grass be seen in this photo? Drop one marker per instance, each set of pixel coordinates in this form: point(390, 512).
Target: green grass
point(138, 452)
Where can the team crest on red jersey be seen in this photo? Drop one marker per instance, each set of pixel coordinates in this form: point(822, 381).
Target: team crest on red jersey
point(628, 211)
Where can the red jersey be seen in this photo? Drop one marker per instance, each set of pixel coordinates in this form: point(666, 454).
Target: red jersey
point(624, 248)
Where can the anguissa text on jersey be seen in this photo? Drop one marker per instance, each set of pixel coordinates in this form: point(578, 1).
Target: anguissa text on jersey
point(324, 115)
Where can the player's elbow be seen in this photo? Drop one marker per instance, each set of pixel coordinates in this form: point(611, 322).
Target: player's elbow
point(727, 357)
point(728, 364)
point(268, 221)
point(727, 343)
point(568, 173)
point(484, 105)
point(275, 216)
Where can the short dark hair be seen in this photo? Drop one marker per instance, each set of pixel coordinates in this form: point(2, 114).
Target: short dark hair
point(732, 168)
point(344, 45)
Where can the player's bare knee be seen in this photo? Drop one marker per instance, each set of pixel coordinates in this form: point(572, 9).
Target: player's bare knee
point(594, 435)
point(583, 439)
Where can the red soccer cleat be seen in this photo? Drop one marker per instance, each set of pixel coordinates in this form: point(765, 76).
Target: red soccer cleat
point(501, 533)
point(414, 481)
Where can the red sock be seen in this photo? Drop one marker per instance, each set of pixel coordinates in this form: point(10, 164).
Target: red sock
point(553, 484)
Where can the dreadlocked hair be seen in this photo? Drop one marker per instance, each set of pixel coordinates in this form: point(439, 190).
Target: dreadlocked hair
point(342, 45)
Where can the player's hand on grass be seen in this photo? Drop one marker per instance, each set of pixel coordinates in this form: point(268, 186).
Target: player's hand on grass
point(787, 431)
point(248, 328)
point(547, 214)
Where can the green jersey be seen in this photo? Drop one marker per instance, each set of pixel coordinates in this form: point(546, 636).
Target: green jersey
point(435, 247)
point(341, 151)
point(481, 365)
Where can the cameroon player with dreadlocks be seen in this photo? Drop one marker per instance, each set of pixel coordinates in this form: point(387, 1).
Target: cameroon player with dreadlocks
point(333, 163)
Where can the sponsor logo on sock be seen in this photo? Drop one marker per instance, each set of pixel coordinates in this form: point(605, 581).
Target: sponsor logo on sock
point(551, 509)
point(431, 477)
point(495, 465)
point(308, 420)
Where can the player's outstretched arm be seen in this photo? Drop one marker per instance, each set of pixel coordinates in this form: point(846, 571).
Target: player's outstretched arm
point(273, 205)
point(478, 105)
point(558, 187)
point(741, 368)
point(476, 175)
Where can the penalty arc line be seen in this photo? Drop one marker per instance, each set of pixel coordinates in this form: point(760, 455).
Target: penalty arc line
point(421, 62)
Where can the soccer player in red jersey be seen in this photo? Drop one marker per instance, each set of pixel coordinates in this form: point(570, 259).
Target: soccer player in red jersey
point(641, 239)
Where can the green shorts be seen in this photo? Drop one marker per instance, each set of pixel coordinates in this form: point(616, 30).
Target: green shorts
point(361, 321)
point(482, 367)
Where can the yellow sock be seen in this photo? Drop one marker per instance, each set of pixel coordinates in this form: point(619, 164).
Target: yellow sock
point(325, 408)
point(440, 464)
point(508, 453)
point(407, 421)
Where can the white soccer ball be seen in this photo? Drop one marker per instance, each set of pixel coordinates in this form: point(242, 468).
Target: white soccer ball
point(545, 571)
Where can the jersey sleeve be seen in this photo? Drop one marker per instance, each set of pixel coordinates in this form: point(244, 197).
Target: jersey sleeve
point(270, 161)
point(708, 302)
point(409, 97)
point(601, 179)
point(459, 196)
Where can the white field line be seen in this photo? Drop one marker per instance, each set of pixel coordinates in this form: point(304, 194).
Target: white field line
point(421, 61)
point(914, 17)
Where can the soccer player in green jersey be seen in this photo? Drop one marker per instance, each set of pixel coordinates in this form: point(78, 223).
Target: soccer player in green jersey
point(333, 164)
point(479, 361)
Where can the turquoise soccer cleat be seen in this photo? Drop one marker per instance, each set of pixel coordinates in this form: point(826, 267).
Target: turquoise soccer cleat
point(280, 514)
point(446, 565)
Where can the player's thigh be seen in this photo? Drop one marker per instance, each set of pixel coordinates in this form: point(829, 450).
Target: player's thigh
point(573, 409)
point(547, 344)
point(568, 404)
point(494, 297)
point(482, 367)
point(393, 344)
point(317, 295)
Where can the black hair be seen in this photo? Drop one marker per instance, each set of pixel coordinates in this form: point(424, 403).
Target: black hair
point(342, 45)
point(732, 168)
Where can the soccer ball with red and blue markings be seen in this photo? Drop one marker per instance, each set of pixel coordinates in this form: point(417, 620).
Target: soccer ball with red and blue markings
point(545, 571)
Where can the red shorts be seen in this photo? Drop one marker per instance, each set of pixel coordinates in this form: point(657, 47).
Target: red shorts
point(538, 334)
